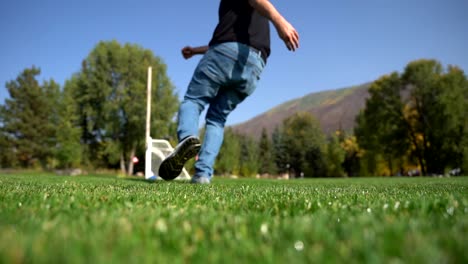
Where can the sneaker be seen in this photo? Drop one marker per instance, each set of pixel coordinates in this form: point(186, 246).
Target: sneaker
point(200, 180)
point(172, 166)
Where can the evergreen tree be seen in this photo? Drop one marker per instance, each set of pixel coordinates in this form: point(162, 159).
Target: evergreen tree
point(305, 145)
point(279, 152)
point(29, 120)
point(248, 157)
point(8, 158)
point(265, 154)
point(228, 160)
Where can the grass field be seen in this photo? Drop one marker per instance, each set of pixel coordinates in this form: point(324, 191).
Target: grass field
point(96, 219)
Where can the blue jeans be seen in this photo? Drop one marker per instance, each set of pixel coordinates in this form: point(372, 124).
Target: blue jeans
point(224, 77)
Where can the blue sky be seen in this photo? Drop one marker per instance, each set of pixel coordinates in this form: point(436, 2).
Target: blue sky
point(343, 42)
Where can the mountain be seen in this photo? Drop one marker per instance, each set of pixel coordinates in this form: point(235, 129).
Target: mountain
point(334, 109)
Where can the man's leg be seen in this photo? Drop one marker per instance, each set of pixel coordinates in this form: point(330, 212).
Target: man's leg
point(233, 66)
point(243, 79)
point(188, 118)
point(216, 117)
point(201, 90)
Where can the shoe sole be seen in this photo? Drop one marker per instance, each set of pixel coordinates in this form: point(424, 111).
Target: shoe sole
point(172, 166)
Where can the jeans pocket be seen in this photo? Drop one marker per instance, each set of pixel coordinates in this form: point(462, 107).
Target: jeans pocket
point(253, 77)
point(256, 71)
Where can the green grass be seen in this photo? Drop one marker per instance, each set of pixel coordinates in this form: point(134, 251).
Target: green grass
point(56, 219)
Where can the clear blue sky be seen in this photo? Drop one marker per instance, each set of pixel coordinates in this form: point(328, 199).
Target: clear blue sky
point(343, 42)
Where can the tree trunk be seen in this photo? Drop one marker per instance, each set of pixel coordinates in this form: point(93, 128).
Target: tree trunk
point(426, 156)
point(423, 123)
point(419, 151)
point(122, 164)
point(130, 162)
point(390, 167)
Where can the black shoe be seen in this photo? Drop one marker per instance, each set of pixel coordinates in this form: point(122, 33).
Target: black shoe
point(172, 166)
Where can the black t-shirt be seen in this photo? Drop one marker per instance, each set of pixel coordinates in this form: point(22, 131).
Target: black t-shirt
point(239, 22)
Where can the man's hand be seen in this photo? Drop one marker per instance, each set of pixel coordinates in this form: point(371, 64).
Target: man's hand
point(288, 34)
point(285, 30)
point(188, 52)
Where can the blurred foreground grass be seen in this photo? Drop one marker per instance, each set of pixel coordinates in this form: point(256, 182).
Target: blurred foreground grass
point(96, 219)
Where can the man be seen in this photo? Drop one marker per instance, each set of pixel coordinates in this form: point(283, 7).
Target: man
point(225, 76)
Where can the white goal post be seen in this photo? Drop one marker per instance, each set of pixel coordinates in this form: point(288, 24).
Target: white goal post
point(156, 149)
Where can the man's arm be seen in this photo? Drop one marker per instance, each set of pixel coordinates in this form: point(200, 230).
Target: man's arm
point(285, 30)
point(188, 51)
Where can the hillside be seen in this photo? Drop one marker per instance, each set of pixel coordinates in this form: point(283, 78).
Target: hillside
point(334, 109)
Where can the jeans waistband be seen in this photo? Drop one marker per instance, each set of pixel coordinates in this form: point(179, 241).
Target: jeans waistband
point(254, 50)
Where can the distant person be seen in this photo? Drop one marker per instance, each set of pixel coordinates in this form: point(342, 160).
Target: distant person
point(224, 77)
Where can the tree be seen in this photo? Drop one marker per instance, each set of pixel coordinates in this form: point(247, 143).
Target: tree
point(366, 139)
point(305, 144)
point(353, 154)
point(265, 154)
point(417, 116)
point(424, 105)
point(438, 103)
point(69, 148)
point(8, 158)
point(279, 151)
point(110, 93)
point(29, 120)
point(454, 89)
point(335, 156)
point(228, 160)
point(248, 157)
point(381, 127)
